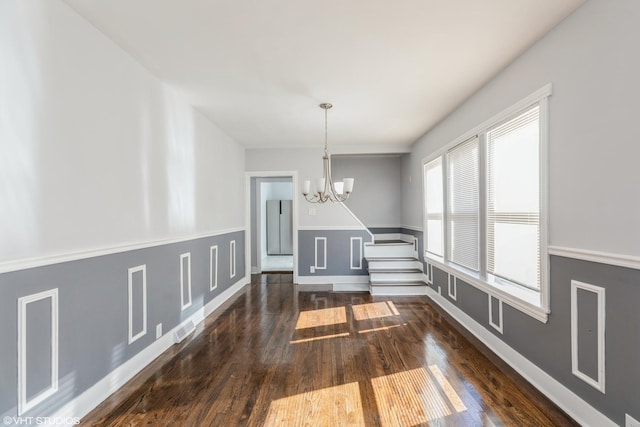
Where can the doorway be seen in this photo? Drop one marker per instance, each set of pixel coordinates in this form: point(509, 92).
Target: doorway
point(272, 222)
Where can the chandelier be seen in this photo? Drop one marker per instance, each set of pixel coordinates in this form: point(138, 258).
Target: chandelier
point(326, 189)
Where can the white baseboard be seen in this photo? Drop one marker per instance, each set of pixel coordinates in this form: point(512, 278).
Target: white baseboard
point(215, 303)
point(255, 270)
point(331, 280)
point(567, 400)
point(92, 397)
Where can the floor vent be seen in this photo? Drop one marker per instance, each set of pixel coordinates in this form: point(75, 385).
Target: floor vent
point(183, 331)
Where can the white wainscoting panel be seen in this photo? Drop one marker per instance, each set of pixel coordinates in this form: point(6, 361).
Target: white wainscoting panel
point(185, 281)
point(321, 254)
point(598, 383)
point(356, 253)
point(143, 283)
point(213, 267)
point(232, 259)
point(495, 323)
point(24, 404)
point(453, 287)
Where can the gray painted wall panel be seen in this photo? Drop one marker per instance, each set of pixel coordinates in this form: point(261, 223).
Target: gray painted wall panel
point(137, 303)
point(587, 329)
point(475, 303)
point(385, 230)
point(38, 347)
point(357, 249)
point(377, 191)
point(622, 350)
point(417, 234)
point(495, 312)
point(8, 351)
point(549, 345)
point(440, 279)
point(338, 252)
point(93, 310)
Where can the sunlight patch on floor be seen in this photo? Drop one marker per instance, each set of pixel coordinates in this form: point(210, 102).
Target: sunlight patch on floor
point(382, 328)
point(323, 337)
point(321, 317)
point(412, 397)
point(451, 394)
point(374, 310)
point(331, 406)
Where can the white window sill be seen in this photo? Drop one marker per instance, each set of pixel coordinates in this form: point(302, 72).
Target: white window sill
point(525, 300)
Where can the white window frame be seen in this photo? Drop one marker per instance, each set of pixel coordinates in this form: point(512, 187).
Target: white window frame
point(531, 302)
point(426, 214)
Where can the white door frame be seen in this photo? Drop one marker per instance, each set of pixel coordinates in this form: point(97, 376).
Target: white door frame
point(248, 248)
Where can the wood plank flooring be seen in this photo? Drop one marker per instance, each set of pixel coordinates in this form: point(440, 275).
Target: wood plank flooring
point(277, 356)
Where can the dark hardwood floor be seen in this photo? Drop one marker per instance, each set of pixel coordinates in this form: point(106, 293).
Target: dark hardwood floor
point(277, 356)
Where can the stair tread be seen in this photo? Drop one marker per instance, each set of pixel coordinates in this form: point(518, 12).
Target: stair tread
point(389, 243)
point(386, 258)
point(395, 270)
point(396, 283)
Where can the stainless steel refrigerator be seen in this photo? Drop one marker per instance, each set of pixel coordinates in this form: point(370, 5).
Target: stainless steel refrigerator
point(279, 227)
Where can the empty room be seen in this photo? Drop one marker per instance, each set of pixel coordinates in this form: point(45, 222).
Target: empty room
point(330, 213)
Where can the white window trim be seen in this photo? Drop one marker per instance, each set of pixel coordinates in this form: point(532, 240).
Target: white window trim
point(533, 303)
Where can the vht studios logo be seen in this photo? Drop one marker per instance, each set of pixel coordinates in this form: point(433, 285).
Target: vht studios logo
point(9, 421)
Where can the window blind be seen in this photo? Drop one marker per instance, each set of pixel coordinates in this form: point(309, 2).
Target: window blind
point(434, 206)
point(463, 204)
point(513, 200)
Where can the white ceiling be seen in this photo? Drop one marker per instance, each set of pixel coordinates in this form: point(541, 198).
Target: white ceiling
point(259, 68)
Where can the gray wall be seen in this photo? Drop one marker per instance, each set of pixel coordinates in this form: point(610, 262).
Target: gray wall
point(549, 345)
point(96, 151)
point(253, 210)
point(590, 59)
point(377, 192)
point(338, 260)
point(591, 63)
point(93, 313)
point(307, 163)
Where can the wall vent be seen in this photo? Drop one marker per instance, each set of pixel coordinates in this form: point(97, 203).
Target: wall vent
point(183, 331)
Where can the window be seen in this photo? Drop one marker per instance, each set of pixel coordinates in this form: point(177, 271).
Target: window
point(463, 213)
point(433, 206)
point(513, 200)
point(484, 206)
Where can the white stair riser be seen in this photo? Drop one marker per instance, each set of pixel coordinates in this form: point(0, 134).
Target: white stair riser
point(396, 277)
point(388, 251)
point(397, 290)
point(387, 236)
point(395, 265)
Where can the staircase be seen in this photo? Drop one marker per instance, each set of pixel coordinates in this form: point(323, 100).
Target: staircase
point(394, 268)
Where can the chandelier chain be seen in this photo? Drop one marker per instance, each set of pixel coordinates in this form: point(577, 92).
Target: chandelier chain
point(326, 131)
